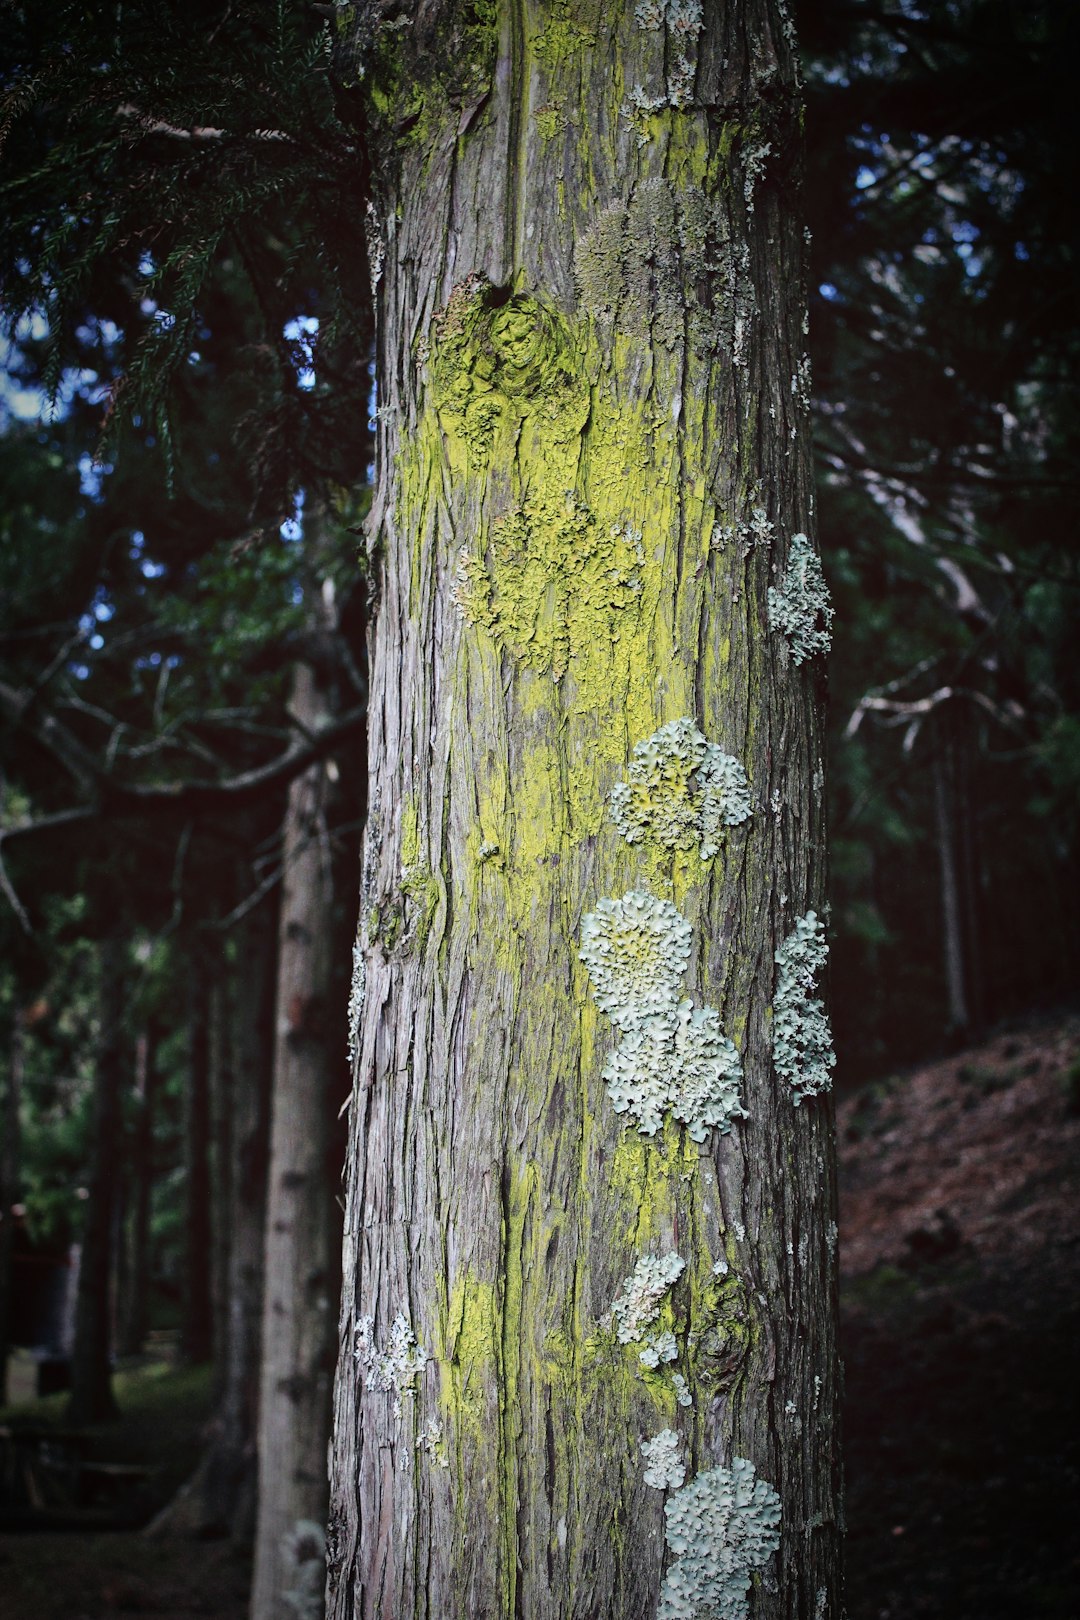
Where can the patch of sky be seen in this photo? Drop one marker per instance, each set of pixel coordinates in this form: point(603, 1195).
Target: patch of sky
point(292, 530)
point(302, 334)
point(828, 291)
point(864, 177)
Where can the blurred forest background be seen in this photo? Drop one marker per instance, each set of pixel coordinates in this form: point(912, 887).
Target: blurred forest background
point(186, 409)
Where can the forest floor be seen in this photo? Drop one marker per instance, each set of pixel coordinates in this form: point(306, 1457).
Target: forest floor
point(960, 1234)
point(960, 1249)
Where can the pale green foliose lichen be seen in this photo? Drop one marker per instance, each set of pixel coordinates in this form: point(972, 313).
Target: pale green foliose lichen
point(682, 791)
point(665, 1467)
point(658, 1348)
point(638, 1303)
point(802, 1040)
point(673, 1056)
point(801, 608)
point(723, 1525)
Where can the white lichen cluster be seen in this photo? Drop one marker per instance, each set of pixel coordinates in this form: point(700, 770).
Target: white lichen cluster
point(658, 1349)
point(430, 1441)
point(682, 1390)
point(673, 1056)
point(357, 989)
point(682, 20)
point(722, 1525)
point(682, 791)
point(638, 1303)
point(801, 608)
point(802, 1040)
point(665, 1468)
point(395, 1368)
point(753, 156)
point(758, 527)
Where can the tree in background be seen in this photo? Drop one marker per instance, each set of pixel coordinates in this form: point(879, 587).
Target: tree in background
point(589, 1251)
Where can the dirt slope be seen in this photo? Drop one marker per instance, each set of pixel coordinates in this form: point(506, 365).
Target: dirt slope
point(960, 1233)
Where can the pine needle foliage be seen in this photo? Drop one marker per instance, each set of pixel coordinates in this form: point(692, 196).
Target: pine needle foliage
point(143, 147)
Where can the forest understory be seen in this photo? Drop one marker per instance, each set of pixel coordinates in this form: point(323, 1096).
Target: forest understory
point(960, 1232)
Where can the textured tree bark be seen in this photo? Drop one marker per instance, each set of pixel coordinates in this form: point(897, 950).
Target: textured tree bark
point(91, 1399)
point(301, 1265)
point(594, 454)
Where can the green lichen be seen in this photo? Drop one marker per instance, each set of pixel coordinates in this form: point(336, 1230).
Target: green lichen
point(724, 1524)
point(562, 35)
point(801, 608)
point(552, 582)
point(550, 121)
point(682, 791)
point(802, 1039)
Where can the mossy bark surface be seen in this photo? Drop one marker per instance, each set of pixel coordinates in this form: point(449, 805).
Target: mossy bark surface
point(594, 451)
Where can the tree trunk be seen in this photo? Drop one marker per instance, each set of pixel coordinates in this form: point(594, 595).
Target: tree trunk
point(219, 1498)
point(222, 1192)
point(10, 1138)
point(301, 1264)
point(197, 1328)
point(91, 1399)
point(594, 462)
point(135, 1317)
point(952, 922)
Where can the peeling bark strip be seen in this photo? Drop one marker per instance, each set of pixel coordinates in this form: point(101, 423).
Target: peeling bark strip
point(591, 317)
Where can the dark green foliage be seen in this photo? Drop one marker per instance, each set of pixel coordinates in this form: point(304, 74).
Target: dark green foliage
point(944, 204)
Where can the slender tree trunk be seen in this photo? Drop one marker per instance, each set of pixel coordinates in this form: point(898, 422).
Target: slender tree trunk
point(136, 1309)
point(952, 920)
point(197, 1330)
point(219, 1498)
point(301, 1263)
point(91, 1398)
point(10, 1138)
point(222, 1192)
point(594, 462)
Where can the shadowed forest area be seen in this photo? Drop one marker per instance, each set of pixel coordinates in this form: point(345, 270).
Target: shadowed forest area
point(189, 408)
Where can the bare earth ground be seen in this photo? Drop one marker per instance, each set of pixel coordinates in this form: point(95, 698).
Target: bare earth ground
point(960, 1232)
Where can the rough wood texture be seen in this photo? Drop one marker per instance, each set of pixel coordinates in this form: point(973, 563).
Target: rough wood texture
point(593, 456)
point(300, 1268)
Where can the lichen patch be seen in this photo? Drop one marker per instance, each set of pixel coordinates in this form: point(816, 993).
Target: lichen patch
point(802, 1039)
point(800, 608)
point(723, 1524)
point(682, 791)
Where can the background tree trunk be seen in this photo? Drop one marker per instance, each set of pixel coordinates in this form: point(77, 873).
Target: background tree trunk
point(219, 1498)
point(91, 1399)
point(134, 1320)
point(594, 454)
point(9, 1187)
point(197, 1329)
point(301, 1264)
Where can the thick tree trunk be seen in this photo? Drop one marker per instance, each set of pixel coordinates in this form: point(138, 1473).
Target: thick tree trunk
point(10, 1139)
point(302, 1267)
point(594, 462)
point(91, 1398)
point(197, 1328)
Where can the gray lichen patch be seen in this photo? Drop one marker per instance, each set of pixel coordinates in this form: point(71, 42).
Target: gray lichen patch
point(802, 1039)
point(682, 22)
point(724, 1524)
point(665, 262)
point(357, 993)
point(396, 1367)
point(636, 950)
point(638, 1304)
point(673, 1057)
point(681, 791)
point(665, 1465)
point(800, 608)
